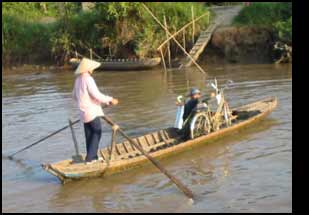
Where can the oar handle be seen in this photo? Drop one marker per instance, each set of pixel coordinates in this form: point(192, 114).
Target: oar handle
point(181, 186)
point(44, 138)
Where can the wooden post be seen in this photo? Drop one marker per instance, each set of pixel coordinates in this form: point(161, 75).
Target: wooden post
point(76, 54)
point(90, 54)
point(77, 157)
point(193, 25)
point(168, 45)
point(162, 56)
point(111, 157)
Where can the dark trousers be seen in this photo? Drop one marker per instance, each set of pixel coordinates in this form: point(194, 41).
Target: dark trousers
point(93, 132)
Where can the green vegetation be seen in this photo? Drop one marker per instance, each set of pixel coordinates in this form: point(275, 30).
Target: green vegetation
point(277, 15)
point(120, 29)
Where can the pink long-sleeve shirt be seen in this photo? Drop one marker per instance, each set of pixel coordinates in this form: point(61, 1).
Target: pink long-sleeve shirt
point(89, 98)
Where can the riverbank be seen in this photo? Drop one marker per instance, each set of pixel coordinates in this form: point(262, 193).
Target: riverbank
point(123, 30)
point(117, 30)
point(260, 33)
point(231, 44)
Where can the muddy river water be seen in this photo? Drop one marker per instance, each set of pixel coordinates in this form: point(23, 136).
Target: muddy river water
point(250, 171)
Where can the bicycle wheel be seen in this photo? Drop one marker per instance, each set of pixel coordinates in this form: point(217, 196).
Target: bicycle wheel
point(200, 125)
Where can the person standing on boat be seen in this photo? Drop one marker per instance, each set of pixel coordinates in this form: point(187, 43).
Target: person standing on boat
point(89, 100)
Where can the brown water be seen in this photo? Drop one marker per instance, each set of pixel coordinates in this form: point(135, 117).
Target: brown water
point(247, 172)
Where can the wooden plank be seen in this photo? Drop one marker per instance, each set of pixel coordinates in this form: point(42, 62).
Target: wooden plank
point(104, 154)
point(117, 151)
point(146, 141)
point(161, 134)
point(150, 140)
point(125, 147)
point(199, 46)
point(129, 147)
point(156, 137)
point(167, 137)
point(121, 149)
point(142, 142)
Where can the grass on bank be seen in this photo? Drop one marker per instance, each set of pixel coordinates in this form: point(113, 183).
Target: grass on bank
point(277, 15)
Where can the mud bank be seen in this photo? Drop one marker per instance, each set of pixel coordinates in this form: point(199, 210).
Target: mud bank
point(240, 45)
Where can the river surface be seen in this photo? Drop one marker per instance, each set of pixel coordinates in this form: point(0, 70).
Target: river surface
point(250, 171)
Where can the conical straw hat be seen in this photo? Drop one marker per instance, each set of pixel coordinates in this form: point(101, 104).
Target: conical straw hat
point(86, 65)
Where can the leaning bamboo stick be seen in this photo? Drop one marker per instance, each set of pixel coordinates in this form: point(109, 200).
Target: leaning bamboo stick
point(180, 30)
point(198, 66)
point(168, 45)
point(162, 56)
point(184, 38)
point(93, 52)
point(193, 25)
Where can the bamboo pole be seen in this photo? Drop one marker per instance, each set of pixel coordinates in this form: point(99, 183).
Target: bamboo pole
point(180, 30)
point(168, 44)
point(87, 47)
point(193, 25)
point(184, 38)
point(90, 53)
point(198, 66)
point(77, 158)
point(162, 56)
point(44, 138)
point(74, 137)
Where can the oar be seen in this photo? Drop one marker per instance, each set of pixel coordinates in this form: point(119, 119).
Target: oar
point(181, 186)
point(44, 138)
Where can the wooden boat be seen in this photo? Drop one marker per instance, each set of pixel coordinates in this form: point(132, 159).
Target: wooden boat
point(123, 64)
point(158, 144)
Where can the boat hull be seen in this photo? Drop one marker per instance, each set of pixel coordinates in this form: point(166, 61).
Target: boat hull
point(171, 144)
point(124, 64)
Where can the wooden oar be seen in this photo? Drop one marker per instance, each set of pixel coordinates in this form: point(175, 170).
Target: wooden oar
point(44, 138)
point(181, 186)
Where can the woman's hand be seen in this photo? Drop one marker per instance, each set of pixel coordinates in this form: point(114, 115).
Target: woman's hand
point(114, 101)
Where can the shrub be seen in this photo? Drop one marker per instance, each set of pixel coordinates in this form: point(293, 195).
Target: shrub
point(277, 15)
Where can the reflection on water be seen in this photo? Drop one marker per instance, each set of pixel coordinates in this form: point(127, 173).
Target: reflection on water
point(249, 171)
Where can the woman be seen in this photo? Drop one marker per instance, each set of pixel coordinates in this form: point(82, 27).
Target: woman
point(89, 100)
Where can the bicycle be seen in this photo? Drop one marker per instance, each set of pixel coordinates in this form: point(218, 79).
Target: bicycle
point(204, 121)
